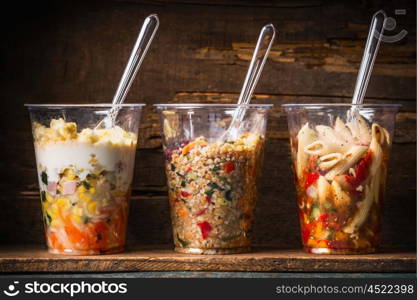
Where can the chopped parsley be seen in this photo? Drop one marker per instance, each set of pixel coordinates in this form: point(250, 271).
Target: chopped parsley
point(44, 177)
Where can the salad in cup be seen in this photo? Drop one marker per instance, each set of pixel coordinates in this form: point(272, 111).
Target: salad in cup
point(340, 156)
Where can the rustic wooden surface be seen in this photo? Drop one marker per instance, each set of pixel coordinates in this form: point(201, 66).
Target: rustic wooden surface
point(75, 52)
point(36, 259)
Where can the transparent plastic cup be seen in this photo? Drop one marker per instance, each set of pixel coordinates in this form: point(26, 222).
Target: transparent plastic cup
point(340, 155)
point(85, 175)
point(212, 181)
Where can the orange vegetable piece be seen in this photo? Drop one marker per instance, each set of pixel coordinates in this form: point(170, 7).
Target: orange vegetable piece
point(182, 212)
point(187, 148)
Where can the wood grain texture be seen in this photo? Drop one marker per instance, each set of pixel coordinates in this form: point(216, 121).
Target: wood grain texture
point(75, 52)
point(35, 259)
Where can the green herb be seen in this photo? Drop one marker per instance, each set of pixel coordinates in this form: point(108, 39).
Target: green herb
point(94, 176)
point(172, 167)
point(224, 180)
point(214, 185)
point(183, 183)
point(329, 235)
point(86, 219)
point(209, 193)
point(43, 196)
point(104, 173)
point(182, 242)
point(86, 184)
point(47, 219)
point(315, 213)
point(216, 168)
point(180, 175)
point(228, 195)
point(44, 177)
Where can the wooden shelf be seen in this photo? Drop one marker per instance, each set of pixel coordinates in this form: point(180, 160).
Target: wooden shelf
point(15, 259)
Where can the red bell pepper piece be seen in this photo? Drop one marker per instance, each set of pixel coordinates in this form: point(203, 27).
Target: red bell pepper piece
point(361, 170)
point(205, 228)
point(208, 199)
point(229, 167)
point(185, 194)
point(200, 212)
point(324, 217)
point(311, 179)
point(305, 233)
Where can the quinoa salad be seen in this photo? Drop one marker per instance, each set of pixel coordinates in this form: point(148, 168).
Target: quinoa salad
point(212, 193)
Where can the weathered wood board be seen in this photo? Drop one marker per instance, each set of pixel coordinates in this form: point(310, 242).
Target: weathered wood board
point(75, 52)
point(35, 259)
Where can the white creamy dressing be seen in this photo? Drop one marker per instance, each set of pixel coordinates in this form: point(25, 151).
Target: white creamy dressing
point(54, 157)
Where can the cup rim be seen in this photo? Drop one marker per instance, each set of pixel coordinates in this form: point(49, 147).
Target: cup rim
point(210, 105)
point(320, 105)
point(106, 105)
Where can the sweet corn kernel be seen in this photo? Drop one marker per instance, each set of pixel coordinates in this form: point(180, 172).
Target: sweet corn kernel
point(62, 203)
point(76, 218)
point(92, 207)
point(81, 189)
point(49, 198)
point(84, 198)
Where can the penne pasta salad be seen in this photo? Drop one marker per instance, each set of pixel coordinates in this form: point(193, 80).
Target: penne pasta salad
point(340, 171)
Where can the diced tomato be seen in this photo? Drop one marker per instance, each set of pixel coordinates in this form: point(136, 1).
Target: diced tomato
point(177, 200)
point(229, 167)
point(322, 243)
point(338, 244)
point(311, 179)
point(189, 170)
point(208, 199)
point(305, 233)
point(185, 194)
point(324, 218)
point(362, 169)
point(205, 228)
point(200, 212)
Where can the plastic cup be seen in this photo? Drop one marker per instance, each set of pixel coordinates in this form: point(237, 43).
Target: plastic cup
point(85, 175)
point(212, 182)
point(340, 154)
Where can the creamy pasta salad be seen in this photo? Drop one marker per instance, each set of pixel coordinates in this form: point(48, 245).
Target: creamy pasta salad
point(85, 179)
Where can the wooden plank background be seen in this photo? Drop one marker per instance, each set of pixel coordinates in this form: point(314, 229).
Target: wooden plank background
point(75, 52)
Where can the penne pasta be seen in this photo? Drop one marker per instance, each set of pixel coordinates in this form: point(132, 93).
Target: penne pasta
point(350, 158)
point(316, 148)
point(305, 137)
point(323, 189)
point(376, 150)
point(340, 198)
point(328, 161)
point(362, 213)
point(364, 132)
point(334, 141)
point(387, 137)
point(341, 129)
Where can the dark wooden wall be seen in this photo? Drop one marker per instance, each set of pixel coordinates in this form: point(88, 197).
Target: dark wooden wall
point(75, 52)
